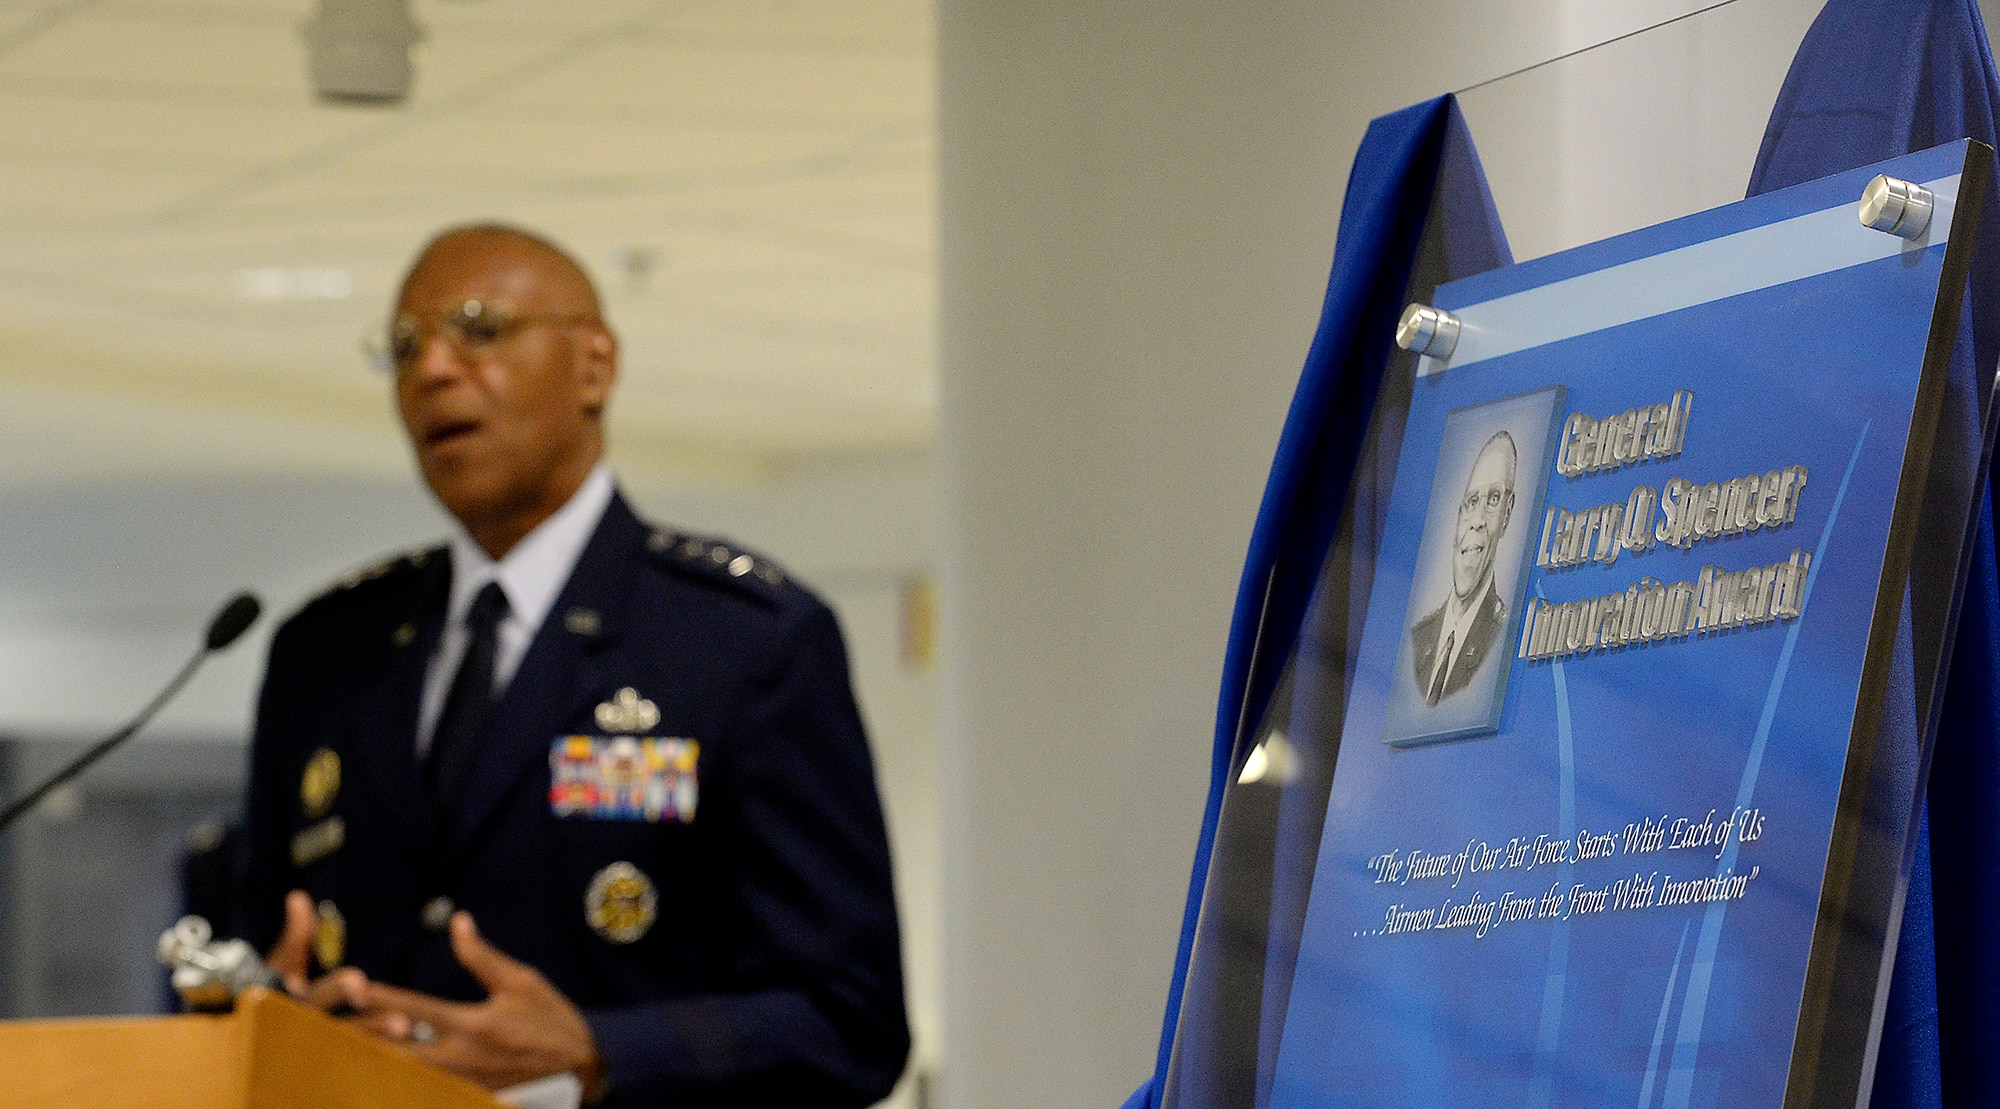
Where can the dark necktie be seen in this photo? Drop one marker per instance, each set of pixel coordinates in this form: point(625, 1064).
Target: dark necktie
point(462, 724)
point(1436, 693)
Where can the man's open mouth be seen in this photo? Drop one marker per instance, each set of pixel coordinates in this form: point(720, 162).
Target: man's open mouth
point(451, 431)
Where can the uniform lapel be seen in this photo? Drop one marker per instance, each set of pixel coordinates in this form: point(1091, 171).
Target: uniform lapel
point(387, 735)
point(558, 677)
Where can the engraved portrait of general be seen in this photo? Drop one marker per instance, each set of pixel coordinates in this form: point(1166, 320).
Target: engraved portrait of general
point(1448, 645)
point(1488, 470)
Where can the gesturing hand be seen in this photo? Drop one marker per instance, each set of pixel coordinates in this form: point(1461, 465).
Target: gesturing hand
point(291, 959)
point(525, 1029)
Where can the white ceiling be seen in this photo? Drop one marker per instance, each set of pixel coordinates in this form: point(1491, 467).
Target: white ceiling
point(751, 181)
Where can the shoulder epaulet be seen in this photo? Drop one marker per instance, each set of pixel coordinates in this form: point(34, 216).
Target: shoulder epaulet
point(714, 559)
point(399, 563)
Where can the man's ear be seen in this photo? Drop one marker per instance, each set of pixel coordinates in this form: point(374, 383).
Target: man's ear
point(596, 366)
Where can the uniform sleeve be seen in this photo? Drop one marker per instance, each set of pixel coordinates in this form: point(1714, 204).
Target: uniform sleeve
point(258, 904)
point(815, 1013)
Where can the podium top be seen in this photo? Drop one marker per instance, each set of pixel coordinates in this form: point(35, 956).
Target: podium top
point(271, 1053)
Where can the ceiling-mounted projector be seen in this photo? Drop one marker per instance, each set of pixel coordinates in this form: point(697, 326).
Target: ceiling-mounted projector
point(358, 51)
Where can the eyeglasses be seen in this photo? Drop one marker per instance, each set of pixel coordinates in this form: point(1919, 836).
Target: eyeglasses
point(1487, 501)
point(474, 329)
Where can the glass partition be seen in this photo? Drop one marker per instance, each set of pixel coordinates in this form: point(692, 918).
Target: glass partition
point(1637, 130)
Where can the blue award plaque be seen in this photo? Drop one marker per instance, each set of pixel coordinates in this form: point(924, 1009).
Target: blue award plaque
point(1621, 743)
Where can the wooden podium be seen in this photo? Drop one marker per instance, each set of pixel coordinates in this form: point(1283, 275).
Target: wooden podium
point(271, 1053)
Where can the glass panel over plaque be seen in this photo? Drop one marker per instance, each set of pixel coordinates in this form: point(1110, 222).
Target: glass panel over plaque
point(1637, 131)
point(1619, 690)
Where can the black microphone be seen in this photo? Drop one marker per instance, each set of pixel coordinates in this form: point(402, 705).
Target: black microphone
point(230, 623)
point(234, 619)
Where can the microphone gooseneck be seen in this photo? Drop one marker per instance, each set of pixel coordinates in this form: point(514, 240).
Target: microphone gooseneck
point(230, 623)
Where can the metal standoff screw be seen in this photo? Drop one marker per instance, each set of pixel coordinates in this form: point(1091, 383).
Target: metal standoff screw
point(1902, 208)
point(1427, 330)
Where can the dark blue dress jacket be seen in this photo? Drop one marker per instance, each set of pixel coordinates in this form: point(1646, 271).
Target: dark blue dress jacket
point(770, 972)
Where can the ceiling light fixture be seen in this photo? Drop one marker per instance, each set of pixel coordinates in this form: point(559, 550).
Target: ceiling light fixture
point(358, 51)
point(284, 283)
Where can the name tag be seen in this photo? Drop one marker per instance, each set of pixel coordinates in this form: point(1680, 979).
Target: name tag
point(624, 777)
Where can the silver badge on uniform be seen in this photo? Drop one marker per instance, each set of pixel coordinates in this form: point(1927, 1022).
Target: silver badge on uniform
point(628, 712)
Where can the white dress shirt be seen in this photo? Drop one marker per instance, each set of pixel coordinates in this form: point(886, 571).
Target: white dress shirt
point(531, 575)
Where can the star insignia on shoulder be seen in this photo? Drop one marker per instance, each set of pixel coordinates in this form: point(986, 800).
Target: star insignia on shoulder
point(414, 560)
point(713, 556)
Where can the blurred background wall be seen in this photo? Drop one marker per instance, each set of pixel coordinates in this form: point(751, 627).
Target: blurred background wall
point(987, 306)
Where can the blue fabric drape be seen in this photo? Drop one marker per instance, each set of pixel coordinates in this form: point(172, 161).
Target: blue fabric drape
point(1872, 80)
point(1411, 164)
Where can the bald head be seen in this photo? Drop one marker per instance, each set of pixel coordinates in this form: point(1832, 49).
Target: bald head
point(503, 369)
point(557, 271)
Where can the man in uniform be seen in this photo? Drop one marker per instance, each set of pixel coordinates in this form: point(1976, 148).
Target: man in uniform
point(572, 793)
point(1449, 644)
